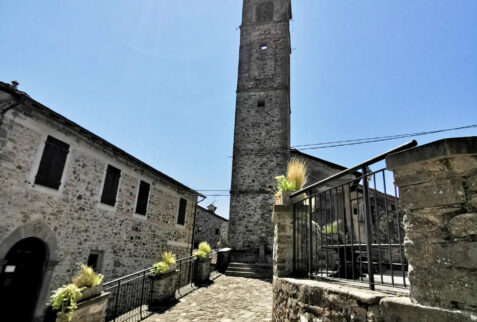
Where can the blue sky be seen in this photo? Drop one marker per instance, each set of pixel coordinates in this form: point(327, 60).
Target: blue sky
point(158, 77)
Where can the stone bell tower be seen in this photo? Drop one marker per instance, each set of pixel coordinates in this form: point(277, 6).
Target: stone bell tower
point(262, 123)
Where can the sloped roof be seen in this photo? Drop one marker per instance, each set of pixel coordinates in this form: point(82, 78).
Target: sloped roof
point(84, 132)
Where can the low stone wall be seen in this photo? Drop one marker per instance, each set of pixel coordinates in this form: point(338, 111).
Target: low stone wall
point(307, 300)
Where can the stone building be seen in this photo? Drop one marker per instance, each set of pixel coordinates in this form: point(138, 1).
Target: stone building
point(210, 227)
point(68, 197)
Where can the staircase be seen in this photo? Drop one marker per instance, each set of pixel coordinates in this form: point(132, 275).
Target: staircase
point(249, 270)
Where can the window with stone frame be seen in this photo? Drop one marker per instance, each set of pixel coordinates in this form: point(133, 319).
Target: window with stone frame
point(111, 184)
point(182, 211)
point(52, 163)
point(142, 198)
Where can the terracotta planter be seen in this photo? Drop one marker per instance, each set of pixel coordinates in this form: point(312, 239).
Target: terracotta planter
point(202, 270)
point(164, 287)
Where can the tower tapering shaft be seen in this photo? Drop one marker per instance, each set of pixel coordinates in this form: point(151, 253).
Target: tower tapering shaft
point(262, 121)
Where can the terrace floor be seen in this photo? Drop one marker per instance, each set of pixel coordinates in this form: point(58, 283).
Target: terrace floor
point(226, 299)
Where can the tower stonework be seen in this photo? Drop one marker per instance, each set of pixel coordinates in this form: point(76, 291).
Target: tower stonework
point(262, 122)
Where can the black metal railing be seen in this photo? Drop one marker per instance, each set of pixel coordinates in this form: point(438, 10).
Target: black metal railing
point(350, 226)
point(131, 294)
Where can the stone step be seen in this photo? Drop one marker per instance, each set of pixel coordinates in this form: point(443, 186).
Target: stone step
point(247, 274)
point(257, 266)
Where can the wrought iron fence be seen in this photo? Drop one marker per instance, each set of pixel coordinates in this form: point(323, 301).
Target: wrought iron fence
point(350, 226)
point(131, 294)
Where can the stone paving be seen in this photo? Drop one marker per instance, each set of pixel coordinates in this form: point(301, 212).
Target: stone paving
point(227, 299)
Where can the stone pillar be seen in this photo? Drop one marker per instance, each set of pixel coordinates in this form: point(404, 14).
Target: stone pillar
point(283, 240)
point(438, 194)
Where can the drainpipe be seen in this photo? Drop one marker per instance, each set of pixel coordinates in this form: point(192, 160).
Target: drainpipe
point(193, 224)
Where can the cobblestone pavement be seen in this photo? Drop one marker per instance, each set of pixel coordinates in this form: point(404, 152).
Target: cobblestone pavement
point(226, 299)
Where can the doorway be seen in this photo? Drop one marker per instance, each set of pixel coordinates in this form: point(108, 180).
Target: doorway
point(21, 279)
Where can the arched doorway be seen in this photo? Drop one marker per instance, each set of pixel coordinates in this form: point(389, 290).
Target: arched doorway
point(21, 279)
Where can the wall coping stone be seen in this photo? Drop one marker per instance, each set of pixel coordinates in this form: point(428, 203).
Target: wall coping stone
point(434, 150)
point(363, 295)
point(403, 309)
point(94, 300)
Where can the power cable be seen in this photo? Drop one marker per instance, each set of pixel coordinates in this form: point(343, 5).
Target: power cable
point(379, 138)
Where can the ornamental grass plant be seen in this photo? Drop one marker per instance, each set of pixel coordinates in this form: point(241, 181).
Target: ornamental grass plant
point(297, 172)
point(168, 260)
point(87, 277)
point(203, 250)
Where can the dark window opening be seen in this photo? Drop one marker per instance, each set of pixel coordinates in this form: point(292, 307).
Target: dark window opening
point(196, 245)
point(142, 198)
point(261, 102)
point(217, 231)
point(110, 188)
point(95, 260)
point(52, 163)
point(182, 211)
point(355, 211)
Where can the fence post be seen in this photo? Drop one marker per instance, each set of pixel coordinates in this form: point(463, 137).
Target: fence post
point(310, 239)
point(117, 300)
point(369, 231)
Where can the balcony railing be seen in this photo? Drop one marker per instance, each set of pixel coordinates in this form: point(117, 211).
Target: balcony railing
point(350, 226)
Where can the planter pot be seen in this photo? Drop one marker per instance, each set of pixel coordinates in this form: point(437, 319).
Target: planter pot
point(164, 287)
point(202, 270)
point(91, 292)
point(285, 197)
point(91, 310)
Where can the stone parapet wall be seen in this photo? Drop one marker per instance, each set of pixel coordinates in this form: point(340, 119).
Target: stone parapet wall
point(438, 189)
point(306, 300)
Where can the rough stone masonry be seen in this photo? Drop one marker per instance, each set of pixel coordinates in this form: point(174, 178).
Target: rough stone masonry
point(262, 121)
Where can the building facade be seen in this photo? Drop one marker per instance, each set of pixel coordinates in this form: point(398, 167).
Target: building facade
point(262, 122)
point(69, 197)
point(210, 227)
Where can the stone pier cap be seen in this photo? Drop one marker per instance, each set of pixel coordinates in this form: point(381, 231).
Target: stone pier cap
point(444, 148)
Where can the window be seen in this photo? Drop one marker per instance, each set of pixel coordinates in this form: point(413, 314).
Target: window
point(261, 102)
point(52, 163)
point(199, 228)
point(263, 47)
point(95, 260)
point(196, 244)
point(142, 198)
point(217, 231)
point(110, 188)
point(182, 211)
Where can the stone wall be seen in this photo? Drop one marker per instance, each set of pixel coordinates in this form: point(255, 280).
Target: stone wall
point(438, 188)
point(307, 300)
point(208, 227)
point(76, 220)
